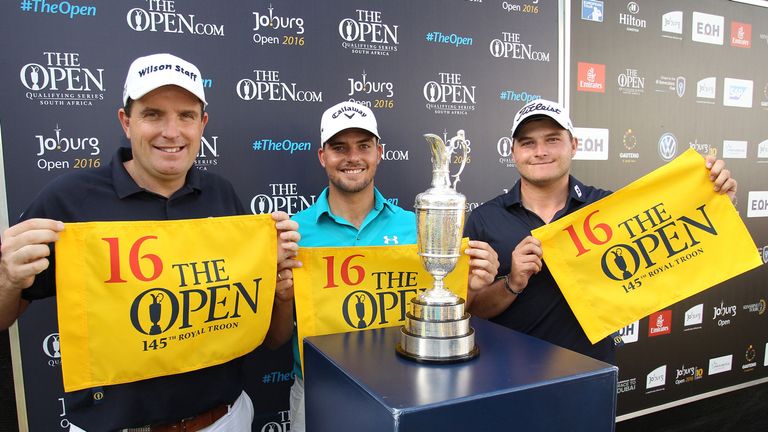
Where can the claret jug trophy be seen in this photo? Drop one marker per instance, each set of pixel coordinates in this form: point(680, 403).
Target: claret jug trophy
point(436, 328)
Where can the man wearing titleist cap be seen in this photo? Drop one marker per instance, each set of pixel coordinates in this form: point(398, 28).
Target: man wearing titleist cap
point(526, 297)
point(163, 116)
point(352, 212)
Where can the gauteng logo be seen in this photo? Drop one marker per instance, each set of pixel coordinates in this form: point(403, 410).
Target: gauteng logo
point(667, 146)
point(60, 79)
point(510, 46)
point(281, 197)
point(163, 17)
point(449, 95)
point(268, 86)
point(660, 323)
point(366, 34)
point(629, 142)
point(591, 77)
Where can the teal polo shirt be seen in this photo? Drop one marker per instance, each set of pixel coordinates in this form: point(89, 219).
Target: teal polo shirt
point(386, 224)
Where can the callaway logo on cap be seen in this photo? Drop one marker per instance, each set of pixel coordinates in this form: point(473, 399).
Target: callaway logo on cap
point(542, 108)
point(157, 70)
point(347, 115)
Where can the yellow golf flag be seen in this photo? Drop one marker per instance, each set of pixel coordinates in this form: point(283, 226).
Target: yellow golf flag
point(657, 241)
point(343, 289)
point(138, 300)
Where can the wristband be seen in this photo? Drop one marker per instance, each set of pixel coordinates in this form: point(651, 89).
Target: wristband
point(509, 289)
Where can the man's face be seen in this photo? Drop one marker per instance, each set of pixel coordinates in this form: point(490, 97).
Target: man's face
point(543, 151)
point(165, 127)
point(350, 159)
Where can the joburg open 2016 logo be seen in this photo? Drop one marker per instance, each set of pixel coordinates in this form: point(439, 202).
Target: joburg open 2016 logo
point(162, 16)
point(367, 34)
point(64, 152)
point(270, 23)
point(651, 249)
point(378, 94)
point(61, 80)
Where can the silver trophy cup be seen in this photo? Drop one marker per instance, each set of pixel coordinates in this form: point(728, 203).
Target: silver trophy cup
point(436, 328)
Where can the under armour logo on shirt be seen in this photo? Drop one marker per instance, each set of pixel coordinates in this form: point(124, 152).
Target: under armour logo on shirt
point(393, 240)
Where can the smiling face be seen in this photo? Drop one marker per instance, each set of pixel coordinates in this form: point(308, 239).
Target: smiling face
point(543, 151)
point(165, 127)
point(350, 159)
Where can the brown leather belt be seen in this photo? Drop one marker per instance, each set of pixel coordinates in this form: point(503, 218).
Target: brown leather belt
point(189, 424)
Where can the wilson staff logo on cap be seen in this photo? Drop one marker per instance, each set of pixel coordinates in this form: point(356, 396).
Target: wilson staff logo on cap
point(542, 108)
point(347, 115)
point(157, 70)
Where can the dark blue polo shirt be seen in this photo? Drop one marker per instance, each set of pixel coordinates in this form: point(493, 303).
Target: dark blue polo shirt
point(110, 194)
point(541, 310)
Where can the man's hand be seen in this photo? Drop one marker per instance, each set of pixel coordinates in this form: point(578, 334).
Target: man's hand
point(24, 254)
point(721, 177)
point(24, 251)
point(483, 264)
point(287, 249)
point(526, 262)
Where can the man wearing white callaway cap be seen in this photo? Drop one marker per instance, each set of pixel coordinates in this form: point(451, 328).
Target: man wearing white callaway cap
point(525, 297)
point(352, 212)
point(163, 117)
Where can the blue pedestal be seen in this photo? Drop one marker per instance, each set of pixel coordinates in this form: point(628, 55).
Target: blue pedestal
point(356, 382)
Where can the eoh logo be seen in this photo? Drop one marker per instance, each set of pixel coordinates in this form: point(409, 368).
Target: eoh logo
point(630, 333)
point(591, 77)
point(592, 144)
point(757, 204)
point(707, 28)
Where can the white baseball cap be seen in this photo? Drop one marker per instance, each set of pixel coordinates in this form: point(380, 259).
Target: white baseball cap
point(542, 108)
point(347, 115)
point(157, 70)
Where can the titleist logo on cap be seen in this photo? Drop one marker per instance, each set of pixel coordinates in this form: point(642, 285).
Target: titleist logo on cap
point(538, 107)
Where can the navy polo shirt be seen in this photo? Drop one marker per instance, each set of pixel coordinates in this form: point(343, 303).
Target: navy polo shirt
point(109, 193)
point(541, 310)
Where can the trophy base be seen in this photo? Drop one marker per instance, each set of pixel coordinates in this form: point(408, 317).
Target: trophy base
point(437, 333)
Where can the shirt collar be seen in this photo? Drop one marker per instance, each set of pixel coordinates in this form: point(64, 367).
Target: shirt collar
point(125, 185)
point(576, 192)
point(322, 207)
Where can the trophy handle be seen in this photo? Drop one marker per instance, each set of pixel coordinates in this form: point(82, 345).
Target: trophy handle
point(454, 142)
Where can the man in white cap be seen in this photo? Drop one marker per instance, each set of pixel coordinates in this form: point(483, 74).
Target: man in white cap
point(163, 116)
point(526, 297)
point(352, 212)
